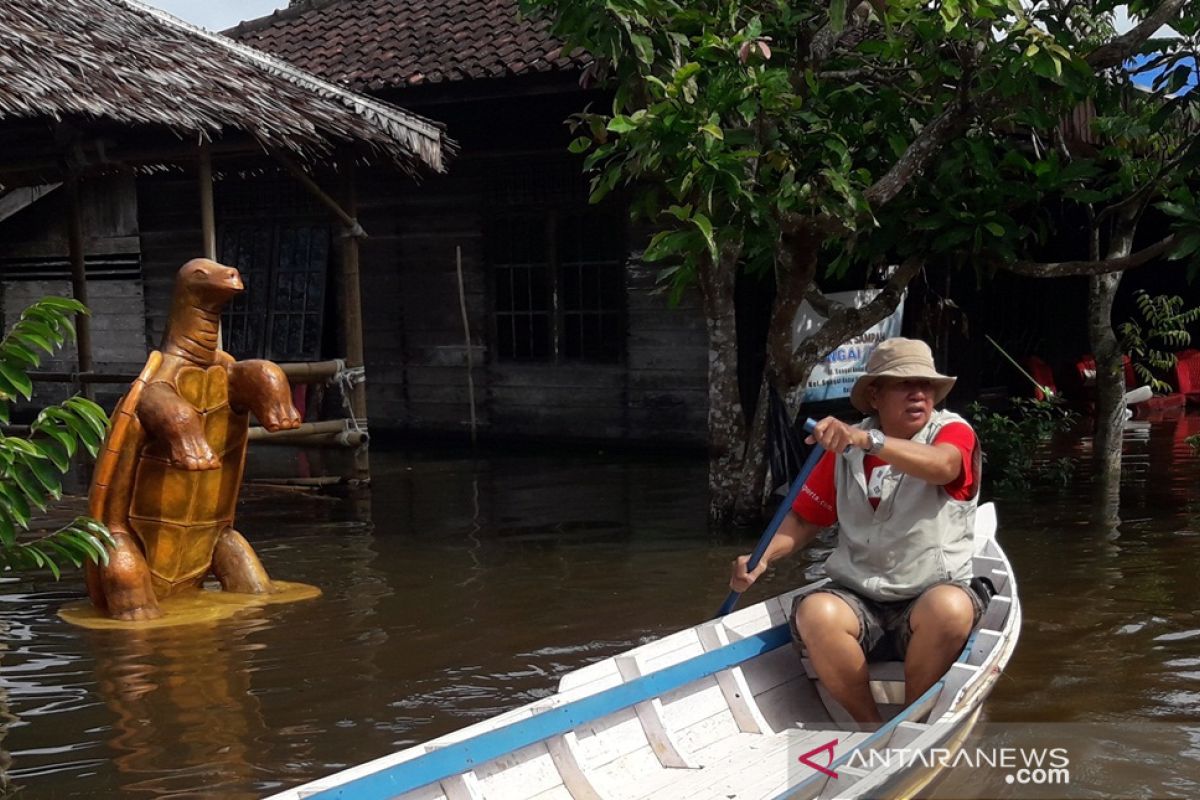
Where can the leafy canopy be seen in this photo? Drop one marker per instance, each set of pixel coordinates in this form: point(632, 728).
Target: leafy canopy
point(741, 122)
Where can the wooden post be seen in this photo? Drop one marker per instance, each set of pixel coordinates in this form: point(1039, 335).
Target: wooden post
point(352, 310)
point(208, 225)
point(83, 326)
point(462, 304)
point(208, 217)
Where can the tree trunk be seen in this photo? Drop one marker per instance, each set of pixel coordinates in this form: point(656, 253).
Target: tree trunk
point(1110, 368)
point(726, 422)
point(1110, 377)
point(797, 264)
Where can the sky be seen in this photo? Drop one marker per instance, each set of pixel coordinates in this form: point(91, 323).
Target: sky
point(218, 14)
point(221, 14)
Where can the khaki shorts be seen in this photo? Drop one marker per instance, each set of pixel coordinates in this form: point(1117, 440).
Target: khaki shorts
point(884, 628)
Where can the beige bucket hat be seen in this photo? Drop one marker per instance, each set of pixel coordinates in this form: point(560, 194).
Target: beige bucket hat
point(900, 358)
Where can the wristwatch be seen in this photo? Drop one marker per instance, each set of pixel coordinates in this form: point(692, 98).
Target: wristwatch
point(876, 438)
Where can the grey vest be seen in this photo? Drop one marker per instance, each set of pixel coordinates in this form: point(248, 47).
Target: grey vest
point(918, 536)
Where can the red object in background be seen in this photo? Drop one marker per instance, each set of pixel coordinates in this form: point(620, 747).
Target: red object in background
point(1086, 367)
point(1043, 374)
point(1187, 375)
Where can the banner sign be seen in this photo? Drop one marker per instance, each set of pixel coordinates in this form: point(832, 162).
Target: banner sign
point(833, 378)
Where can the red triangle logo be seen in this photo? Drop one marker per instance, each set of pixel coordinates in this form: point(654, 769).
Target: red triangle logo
point(827, 747)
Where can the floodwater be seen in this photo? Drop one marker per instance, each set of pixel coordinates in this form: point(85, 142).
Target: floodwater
point(464, 586)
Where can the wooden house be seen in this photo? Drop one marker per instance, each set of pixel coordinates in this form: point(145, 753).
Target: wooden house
point(115, 119)
point(567, 340)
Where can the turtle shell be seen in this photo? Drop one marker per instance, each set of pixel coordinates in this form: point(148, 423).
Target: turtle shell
point(177, 513)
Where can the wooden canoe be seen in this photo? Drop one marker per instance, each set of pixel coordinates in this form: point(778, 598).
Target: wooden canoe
point(726, 709)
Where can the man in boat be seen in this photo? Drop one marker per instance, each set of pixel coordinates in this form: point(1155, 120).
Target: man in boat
point(902, 487)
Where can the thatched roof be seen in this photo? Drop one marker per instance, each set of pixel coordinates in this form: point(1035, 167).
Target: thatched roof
point(125, 62)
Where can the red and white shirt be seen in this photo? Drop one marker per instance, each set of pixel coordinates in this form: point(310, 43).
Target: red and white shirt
point(817, 501)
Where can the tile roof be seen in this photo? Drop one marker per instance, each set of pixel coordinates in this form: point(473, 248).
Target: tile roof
point(369, 45)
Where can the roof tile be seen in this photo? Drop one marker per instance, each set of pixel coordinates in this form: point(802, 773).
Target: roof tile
point(377, 44)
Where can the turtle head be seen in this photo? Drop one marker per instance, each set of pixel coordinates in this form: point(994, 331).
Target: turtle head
point(209, 284)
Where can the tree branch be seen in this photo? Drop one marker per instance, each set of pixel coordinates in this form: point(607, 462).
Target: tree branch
point(929, 142)
point(822, 304)
point(1062, 269)
point(847, 321)
point(826, 40)
point(1118, 51)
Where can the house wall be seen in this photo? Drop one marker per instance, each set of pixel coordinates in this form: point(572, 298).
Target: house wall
point(416, 343)
point(34, 262)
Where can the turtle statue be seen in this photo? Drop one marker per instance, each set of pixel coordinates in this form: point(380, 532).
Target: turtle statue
point(167, 479)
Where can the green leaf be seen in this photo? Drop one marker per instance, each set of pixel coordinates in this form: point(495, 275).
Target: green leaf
point(713, 131)
point(621, 124)
point(995, 229)
point(15, 503)
point(579, 145)
point(1187, 246)
point(18, 379)
point(23, 477)
point(644, 47)
point(66, 304)
point(706, 229)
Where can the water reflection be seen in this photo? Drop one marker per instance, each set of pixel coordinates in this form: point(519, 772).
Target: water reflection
point(465, 586)
point(182, 696)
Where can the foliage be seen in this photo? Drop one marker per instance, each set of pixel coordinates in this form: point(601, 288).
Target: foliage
point(1194, 441)
point(1012, 442)
point(1152, 342)
point(730, 117)
point(31, 467)
point(822, 142)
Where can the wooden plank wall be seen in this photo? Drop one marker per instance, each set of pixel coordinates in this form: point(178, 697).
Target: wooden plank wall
point(169, 211)
point(414, 338)
point(36, 235)
point(416, 362)
point(415, 342)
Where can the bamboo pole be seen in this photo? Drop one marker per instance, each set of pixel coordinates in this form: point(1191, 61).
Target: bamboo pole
point(208, 217)
point(208, 225)
point(333, 433)
point(345, 212)
point(81, 377)
point(83, 326)
point(352, 311)
point(462, 304)
point(312, 371)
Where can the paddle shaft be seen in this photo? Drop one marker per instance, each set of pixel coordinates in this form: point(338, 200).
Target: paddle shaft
point(780, 514)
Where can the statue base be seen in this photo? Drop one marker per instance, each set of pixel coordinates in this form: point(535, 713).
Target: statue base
point(189, 608)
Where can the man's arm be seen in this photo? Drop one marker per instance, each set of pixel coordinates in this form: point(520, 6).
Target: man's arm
point(794, 534)
point(938, 464)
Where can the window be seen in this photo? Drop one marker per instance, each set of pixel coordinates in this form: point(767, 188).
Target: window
point(556, 262)
point(280, 314)
point(559, 285)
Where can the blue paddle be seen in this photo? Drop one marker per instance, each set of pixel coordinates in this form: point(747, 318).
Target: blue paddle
point(780, 514)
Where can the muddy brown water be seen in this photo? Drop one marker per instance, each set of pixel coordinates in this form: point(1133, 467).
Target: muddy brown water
point(464, 586)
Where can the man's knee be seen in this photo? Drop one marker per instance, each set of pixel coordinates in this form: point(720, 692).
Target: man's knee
point(943, 612)
point(822, 614)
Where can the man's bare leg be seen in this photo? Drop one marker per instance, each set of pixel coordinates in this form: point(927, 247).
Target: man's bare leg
point(941, 622)
point(829, 629)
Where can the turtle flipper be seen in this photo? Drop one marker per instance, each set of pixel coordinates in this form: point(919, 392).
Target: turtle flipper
point(237, 566)
point(170, 419)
